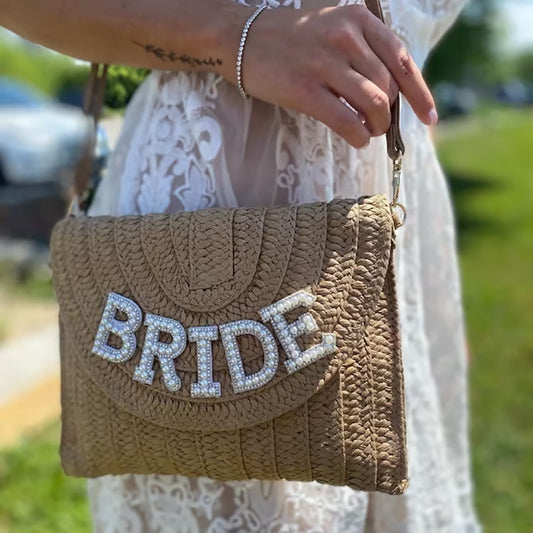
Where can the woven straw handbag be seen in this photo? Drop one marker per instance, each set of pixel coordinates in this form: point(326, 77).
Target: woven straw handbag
point(249, 343)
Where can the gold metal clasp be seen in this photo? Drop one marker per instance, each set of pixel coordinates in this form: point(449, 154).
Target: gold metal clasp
point(398, 210)
point(396, 177)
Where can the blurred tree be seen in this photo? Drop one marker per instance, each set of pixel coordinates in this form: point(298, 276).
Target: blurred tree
point(524, 65)
point(59, 76)
point(466, 52)
point(33, 65)
point(72, 85)
point(121, 84)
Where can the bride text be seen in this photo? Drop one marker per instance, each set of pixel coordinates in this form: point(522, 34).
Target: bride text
point(204, 336)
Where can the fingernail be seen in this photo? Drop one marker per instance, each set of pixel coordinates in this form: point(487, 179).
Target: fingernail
point(433, 117)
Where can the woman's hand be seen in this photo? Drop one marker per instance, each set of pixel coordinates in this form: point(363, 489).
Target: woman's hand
point(304, 59)
point(307, 59)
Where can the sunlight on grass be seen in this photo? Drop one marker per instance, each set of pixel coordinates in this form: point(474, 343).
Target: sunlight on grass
point(33, 284)
point(35, 495)
point(490, 165)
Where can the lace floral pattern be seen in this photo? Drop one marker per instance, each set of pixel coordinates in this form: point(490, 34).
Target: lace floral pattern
point(176, 149)
point(199, 505)
point(190, 141)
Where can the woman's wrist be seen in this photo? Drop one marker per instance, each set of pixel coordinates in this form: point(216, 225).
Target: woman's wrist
point(225, 38)
point(205, 43)
point(199, 41)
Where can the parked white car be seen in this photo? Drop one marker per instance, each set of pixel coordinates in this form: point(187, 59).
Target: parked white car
point(40, 140)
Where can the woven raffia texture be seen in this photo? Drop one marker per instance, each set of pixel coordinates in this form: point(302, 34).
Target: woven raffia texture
point(339, 420)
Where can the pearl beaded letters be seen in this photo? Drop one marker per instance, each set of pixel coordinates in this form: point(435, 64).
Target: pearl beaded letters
point(204, 336)
point(164, 351)
point(124, 329)
point(242, 382)
point(287, 333)
point(205, 387)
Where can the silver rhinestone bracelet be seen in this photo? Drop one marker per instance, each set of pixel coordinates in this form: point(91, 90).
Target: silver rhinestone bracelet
point(242, 43)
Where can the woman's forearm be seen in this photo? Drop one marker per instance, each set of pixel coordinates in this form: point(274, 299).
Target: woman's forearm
point(160, 34)
point(301, 59)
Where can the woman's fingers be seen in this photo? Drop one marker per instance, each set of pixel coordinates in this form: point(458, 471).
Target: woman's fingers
point(341, 65)
point(374, 51)
point(366, 97)
point(372, 68)
point(362, 59)
point(319, 102)
point(393, 53)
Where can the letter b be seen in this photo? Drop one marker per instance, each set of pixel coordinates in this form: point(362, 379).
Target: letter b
point(125, 329)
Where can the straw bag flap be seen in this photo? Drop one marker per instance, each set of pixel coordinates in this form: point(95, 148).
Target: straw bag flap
point(213, 267)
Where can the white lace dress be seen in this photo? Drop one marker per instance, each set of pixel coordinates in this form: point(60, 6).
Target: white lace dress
point(190, 141)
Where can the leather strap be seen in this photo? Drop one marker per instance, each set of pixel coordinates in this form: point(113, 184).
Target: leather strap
point(92, 107)
point(395, 146)
point(94, 97)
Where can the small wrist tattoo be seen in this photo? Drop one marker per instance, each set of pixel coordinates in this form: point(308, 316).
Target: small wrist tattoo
point(166, 55)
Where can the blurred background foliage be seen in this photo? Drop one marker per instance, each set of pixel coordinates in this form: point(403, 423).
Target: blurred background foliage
point(60, 77)
point(466, 52)
point(122, 83)
point(36, 66)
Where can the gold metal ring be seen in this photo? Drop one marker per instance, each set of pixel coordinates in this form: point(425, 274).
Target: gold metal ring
point(399, 213)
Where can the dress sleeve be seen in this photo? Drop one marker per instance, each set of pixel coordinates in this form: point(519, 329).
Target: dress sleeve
point(441, 14)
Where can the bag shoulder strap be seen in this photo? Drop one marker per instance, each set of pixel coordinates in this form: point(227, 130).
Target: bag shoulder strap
point(395, 146)
point(92, 107)
point(94, 98)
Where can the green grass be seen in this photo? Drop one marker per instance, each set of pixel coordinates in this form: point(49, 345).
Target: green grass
point(489, 160)
point(35, 495)
point(32, 283)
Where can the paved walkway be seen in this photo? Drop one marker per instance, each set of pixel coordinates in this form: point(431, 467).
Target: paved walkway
point(29, 383)
point(29, 376)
